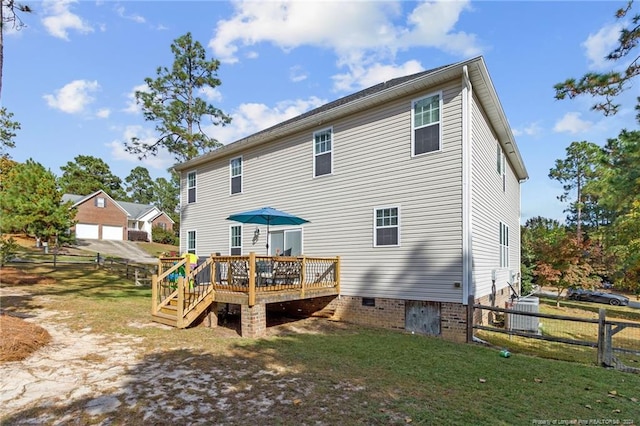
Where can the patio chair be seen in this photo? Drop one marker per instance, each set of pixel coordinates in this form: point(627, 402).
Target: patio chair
point(239, 273)
point(286, 272)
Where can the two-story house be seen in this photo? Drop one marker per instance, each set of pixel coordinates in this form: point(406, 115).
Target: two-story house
point(414, 183)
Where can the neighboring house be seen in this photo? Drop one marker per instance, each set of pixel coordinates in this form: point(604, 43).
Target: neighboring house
point(414, 183)
point(101, 217)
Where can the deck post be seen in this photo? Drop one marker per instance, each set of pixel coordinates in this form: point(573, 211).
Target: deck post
point(302, 276)
point(252, 278)
point(337, 272)
point(154, 294)
point(180, 307)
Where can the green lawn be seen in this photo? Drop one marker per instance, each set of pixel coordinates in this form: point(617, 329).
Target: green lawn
point(389, 377)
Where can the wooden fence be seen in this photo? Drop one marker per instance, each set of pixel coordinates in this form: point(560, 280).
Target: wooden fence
point(140, 273)
point(609, 337)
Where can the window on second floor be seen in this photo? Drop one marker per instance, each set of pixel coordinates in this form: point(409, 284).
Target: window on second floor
point(191, 242)
point(235, 245)
point(191, 187)
point(101, 202)
point(426, 124)
point(323, 152)
point(386, 227)
point(504, 245)
point(235, 170)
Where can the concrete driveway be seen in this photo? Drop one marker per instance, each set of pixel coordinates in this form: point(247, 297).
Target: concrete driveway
point(124, 249)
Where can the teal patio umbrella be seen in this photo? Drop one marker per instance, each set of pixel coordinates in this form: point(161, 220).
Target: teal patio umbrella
point(267, 216)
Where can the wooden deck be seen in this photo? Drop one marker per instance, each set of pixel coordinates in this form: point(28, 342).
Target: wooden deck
point(181, 293)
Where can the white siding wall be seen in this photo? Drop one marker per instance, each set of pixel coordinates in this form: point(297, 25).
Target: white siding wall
point(372, 168)
point(490, 206)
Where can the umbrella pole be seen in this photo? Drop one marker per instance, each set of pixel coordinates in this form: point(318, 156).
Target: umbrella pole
point(268, 237)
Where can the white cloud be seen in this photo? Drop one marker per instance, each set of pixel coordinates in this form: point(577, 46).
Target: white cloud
point(162, 161)
point(251, 118)
point(132, 107)
point(59, 19)
point(103, 113)
point(74, 97)
point(353, 30)
point(120, 10)
point(360, 77)
point(600, 44)
point(297, 74)
point(572, 123)
point(533, 129)
point(210, 93)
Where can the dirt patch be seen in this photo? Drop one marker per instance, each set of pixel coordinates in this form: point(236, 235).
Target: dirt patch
point(13, 276)
point(19, 339)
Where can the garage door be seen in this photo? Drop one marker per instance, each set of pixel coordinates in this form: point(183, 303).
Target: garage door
point(111, 232)
point(86, 231)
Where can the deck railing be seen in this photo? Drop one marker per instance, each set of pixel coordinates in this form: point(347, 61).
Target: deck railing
point(251, 274)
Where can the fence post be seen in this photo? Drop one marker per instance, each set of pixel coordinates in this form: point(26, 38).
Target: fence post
point(470, 302)
point(601, 338)
point(97, 260)
point(55, 255)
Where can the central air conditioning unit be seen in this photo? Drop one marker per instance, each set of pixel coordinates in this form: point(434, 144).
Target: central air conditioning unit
point(524, 322)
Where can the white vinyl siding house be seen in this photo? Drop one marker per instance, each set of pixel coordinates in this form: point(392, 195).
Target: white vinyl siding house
point(445, 232)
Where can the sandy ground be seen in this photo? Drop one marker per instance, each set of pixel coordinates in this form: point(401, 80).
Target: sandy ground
point(83, 377)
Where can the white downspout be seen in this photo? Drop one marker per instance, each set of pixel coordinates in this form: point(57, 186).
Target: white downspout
point(467, 257)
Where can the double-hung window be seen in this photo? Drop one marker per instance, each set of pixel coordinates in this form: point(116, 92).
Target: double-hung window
point(235, 244)
point(426, 124)
point(235, 169)
point(191, 242)
point(504, 245)
point(323, 152)
point(191, 187)
point(386, 227)
point(101, 202)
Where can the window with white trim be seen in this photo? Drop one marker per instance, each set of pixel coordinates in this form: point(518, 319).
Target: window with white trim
point(386, 227)
point(235, 245)
point(426, 124)
point(504, 245)
point(101, 202)
point(235, 169)
point(323, 152)
point(191, 187)
point(191, 242)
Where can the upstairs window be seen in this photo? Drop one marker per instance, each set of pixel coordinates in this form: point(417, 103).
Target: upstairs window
point(235, 169)
point(191, 242)
point(426, 128)
point(504, 245)
point(191, 187)
point(323, 152)
point(386, 227)
point(235, 245)
point(101, 202)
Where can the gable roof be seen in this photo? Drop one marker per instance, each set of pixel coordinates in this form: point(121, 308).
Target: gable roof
point(133, 210)
point(79, 199)
point(378, 94)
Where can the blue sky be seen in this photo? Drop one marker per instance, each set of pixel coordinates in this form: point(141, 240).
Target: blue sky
point(70, 74)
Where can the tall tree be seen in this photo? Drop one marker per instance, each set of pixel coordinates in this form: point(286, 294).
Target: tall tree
point(171, 102)
point(140, 187)
point(89, 174)
point(575, 172)
point(9, 17)
point(8, 129)
point(167, 195)
point(607, 86)
point(31, 202)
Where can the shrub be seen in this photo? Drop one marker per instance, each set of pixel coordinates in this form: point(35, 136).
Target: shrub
point(8, 249)
point(138, 236)
point(163, 236)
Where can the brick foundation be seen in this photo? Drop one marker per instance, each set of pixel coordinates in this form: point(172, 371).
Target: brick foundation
point(453, 322)
point(253, 320)
point(387, 313)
